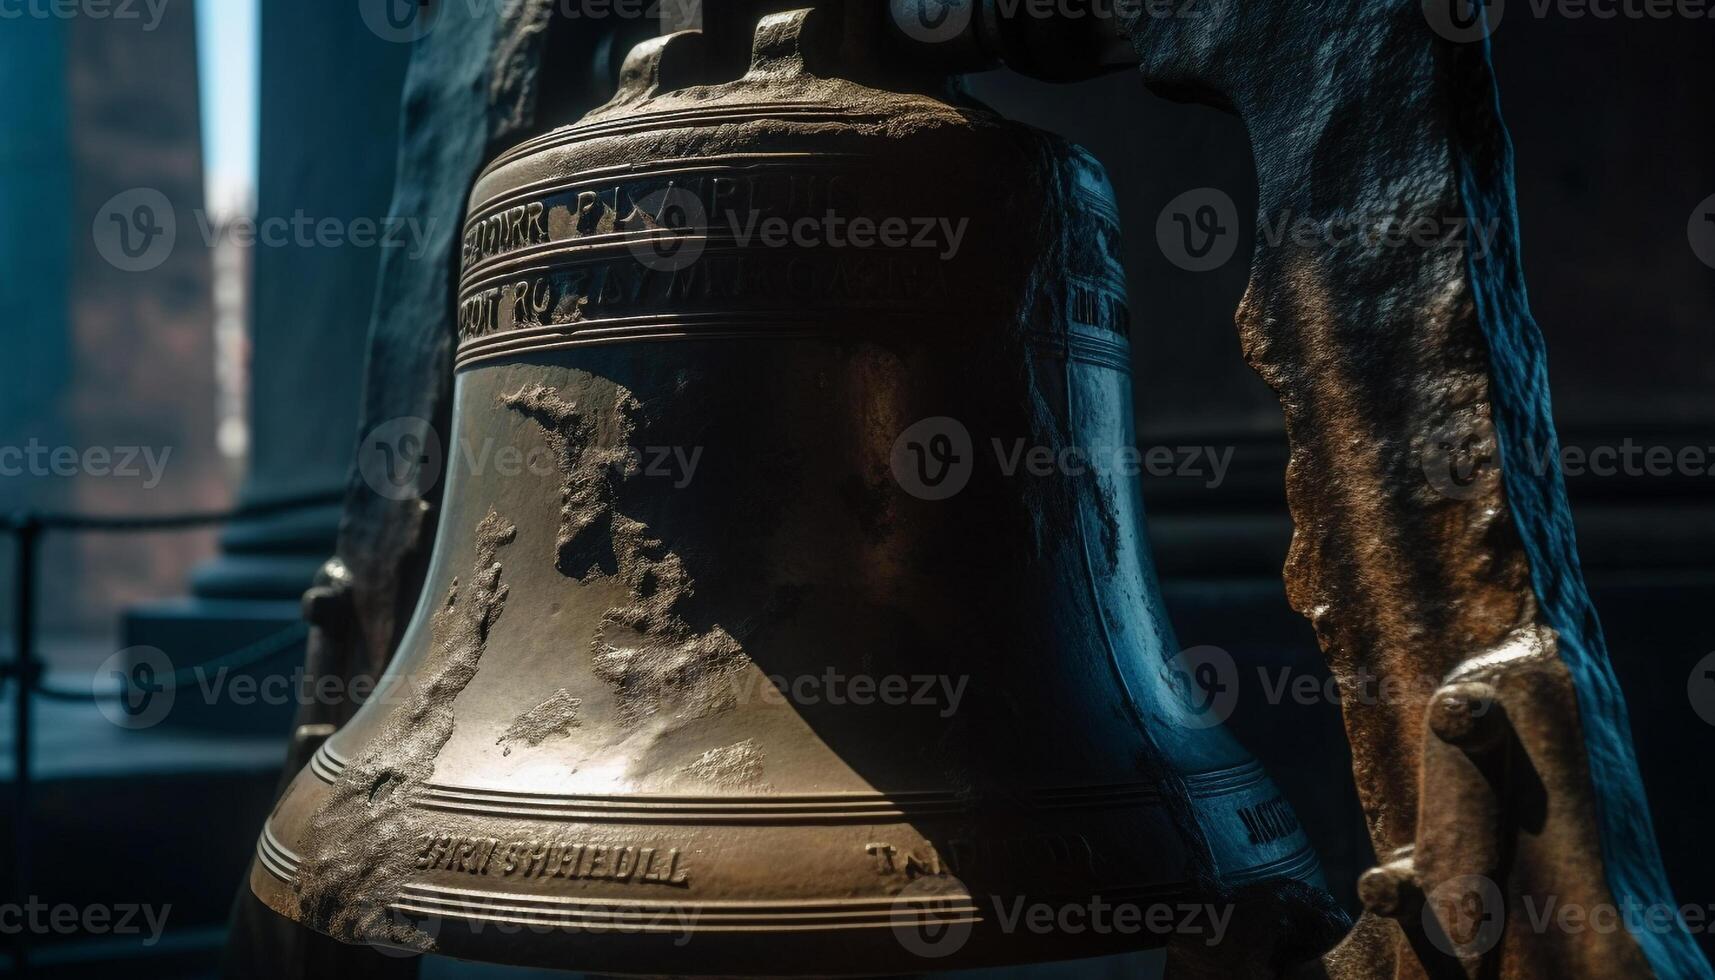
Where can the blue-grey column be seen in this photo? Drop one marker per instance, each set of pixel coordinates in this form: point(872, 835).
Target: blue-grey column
point(35, 245)
point(329, 109)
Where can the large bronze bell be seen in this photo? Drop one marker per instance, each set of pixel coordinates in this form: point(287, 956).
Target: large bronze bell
point(771, 666)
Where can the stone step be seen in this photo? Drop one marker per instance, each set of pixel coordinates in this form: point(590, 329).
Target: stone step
point(136, 842)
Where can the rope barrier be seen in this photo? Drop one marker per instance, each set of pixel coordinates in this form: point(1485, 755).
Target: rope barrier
point(240, 659)
point(123, 524)
point(27, 528)
point(30, 524)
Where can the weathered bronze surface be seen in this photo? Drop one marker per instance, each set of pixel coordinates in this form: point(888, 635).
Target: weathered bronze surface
point(578, 758)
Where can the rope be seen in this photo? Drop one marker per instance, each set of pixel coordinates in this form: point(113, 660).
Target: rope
point(242, 658)
point(30, 524)
point(39, 520)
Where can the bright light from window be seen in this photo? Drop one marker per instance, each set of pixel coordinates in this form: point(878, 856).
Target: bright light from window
point(229, 72)
point(228, 47)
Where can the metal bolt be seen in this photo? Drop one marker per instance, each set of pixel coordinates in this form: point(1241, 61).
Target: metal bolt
point(328, 603)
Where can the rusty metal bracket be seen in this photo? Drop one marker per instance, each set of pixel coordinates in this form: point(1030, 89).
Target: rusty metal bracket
point(1499, 881)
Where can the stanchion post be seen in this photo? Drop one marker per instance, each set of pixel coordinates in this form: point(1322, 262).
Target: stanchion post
point(25, 671)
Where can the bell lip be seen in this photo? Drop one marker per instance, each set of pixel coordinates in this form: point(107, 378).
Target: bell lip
point(871, 950)
point(863, 949)
point(809, 952)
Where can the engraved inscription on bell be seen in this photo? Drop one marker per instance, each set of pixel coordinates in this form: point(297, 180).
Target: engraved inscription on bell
point(552, 859)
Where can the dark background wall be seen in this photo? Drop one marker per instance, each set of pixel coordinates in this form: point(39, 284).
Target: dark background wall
point(99, 357)
point(325, 80)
